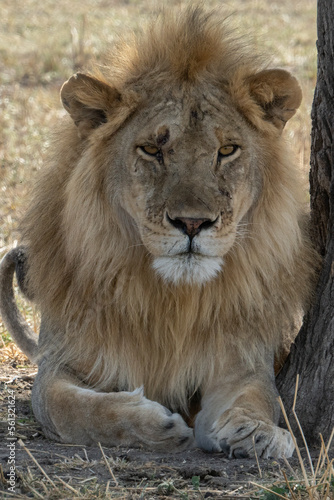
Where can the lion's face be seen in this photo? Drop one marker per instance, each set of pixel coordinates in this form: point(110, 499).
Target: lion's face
point(183, 165)
point(190, 176)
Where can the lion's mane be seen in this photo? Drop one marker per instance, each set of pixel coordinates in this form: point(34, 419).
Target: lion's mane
point(93, 279)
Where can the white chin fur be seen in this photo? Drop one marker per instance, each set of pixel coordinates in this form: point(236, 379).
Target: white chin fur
point(187, 268)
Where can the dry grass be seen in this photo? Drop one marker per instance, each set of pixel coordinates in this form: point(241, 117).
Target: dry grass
point(65, 481)
point(41, 45)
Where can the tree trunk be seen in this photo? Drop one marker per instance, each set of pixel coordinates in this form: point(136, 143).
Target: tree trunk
point(312, 356)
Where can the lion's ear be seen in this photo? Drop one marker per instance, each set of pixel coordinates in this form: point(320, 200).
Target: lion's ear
point(278, 93)
point(88, 101)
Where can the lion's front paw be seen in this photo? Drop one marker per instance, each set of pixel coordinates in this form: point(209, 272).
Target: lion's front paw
point(155, 427)
point(239, 435)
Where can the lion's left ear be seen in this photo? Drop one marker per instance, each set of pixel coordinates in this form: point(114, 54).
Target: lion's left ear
point(278, 93)
point(88, 101)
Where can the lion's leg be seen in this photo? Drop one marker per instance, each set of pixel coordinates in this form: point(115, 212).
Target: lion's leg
point(72, 414)
point(239, 415)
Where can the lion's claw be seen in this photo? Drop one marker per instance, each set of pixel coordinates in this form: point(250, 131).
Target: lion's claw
point(238, 434)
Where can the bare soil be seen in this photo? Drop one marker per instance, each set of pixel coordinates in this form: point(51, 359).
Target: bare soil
point(128, 473)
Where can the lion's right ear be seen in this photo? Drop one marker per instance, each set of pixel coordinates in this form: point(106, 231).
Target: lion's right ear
point(88, 101)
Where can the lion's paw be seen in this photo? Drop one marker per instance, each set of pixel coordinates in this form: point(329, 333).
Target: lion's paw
point(239, 435)
point(159, 428)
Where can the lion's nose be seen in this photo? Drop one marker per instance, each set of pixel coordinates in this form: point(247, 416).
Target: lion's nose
point(189, 225)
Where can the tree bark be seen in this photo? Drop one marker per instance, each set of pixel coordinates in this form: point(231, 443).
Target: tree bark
point(312, 355)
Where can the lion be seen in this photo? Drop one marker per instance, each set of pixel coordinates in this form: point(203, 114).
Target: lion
point(166, 247)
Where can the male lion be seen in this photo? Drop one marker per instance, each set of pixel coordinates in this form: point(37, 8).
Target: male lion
point(165, 248)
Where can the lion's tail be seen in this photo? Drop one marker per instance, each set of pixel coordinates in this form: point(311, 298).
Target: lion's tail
point(18, 328)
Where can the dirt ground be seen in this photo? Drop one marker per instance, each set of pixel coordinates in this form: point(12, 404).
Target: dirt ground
point(45, 469)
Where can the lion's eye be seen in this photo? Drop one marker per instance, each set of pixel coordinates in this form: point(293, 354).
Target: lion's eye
point(228, 150)
point(150, 150)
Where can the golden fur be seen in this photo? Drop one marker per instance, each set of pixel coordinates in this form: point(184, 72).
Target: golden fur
point(116, 323)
